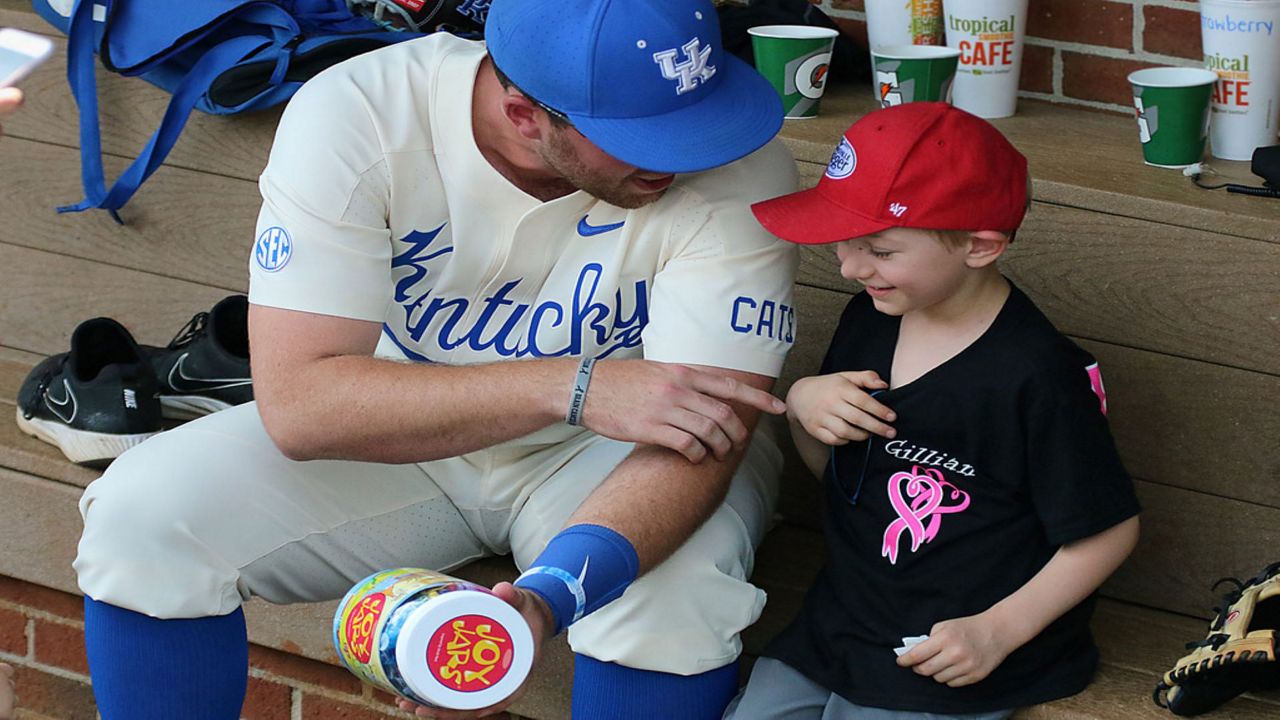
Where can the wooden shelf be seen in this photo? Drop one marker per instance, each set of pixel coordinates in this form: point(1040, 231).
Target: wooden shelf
point(1079, 158)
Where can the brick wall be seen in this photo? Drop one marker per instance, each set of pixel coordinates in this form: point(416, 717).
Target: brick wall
point(1080, 51)
point(41, 634)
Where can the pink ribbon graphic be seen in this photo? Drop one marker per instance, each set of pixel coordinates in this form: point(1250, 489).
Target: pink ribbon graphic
point(924, 495)
point(1095, 382)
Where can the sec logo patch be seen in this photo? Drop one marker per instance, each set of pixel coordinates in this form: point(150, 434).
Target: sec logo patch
point(273, 249)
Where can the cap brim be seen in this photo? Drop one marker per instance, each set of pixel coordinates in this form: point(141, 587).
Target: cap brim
point(737, 118)
point(809, 218)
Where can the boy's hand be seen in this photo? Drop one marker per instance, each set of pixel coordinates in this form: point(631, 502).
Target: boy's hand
point(835, 409)
point(538, 615)
point(959, 652)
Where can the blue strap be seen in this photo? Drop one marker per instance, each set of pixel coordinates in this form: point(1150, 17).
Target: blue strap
point(212, 64)
point(81, 35)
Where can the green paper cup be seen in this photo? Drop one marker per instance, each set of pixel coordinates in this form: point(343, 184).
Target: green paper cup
point(914, 73)
point(1173, 113)
point(794, 59)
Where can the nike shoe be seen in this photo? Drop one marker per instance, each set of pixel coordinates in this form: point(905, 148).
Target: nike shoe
point(205, 368)
point(96, 401)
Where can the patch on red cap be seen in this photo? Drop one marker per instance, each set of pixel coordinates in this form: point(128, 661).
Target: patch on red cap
point(843, 161)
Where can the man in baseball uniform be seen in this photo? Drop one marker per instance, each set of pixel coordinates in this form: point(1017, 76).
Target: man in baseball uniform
point(507, 297)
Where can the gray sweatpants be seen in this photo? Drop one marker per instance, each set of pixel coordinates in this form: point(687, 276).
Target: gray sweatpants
point(776, 691)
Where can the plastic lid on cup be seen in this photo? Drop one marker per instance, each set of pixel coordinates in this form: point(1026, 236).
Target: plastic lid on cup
point(465, 650)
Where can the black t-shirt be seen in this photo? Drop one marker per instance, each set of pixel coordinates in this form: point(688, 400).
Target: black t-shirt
point(1002, 455)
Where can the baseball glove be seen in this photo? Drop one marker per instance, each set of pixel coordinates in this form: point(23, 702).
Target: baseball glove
point(1238, 656)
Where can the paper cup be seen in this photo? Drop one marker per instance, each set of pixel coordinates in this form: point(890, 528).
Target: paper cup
point(903, 22)
point(1172, 105)
point(913, 73)
point(1242, 45)
point(889, 23)
point(794, 59)
point(989, 35)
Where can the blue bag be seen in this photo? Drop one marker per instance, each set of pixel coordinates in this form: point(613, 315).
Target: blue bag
point(218, 56)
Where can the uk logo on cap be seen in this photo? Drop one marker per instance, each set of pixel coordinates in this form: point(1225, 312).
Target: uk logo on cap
point(689, 72)
point(843, 161)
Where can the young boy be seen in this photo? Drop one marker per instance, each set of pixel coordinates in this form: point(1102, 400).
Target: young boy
point(975, 499)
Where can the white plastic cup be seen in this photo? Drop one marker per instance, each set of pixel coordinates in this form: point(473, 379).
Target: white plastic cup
point(990, 35)
point(901, 22)
point(1242, 44)
point(888, 23)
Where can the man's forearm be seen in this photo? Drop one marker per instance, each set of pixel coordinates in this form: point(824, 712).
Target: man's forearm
point(384, 411)
point(657, 499)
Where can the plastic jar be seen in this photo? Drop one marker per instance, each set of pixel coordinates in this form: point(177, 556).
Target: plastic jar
point(433, 639)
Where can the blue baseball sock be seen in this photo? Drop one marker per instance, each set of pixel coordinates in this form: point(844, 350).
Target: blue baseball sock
point(149, 669)
point(608, 691)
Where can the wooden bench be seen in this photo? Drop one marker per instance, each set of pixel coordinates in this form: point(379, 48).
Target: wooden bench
point(1173, 288)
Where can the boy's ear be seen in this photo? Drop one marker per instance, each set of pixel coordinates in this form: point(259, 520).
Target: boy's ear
point(985, 247)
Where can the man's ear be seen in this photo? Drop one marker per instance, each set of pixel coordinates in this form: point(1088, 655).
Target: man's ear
point(522, 114)
point(985, 247)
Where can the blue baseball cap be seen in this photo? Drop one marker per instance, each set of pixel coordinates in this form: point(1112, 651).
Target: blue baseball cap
point(647, 81)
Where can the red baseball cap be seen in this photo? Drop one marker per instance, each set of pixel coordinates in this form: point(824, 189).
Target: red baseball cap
point(922, 165)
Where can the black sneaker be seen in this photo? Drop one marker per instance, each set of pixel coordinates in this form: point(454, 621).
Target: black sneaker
point(96, 401)
point(205, 368)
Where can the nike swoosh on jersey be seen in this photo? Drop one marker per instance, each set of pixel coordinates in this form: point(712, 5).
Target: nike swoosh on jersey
point(55, 406)
point(585, 229)
point(197, 384)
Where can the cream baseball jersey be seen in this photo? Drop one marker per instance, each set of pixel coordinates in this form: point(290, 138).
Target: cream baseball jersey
point(377, 205)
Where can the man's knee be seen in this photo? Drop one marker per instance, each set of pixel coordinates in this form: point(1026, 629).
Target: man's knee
point(146, 540)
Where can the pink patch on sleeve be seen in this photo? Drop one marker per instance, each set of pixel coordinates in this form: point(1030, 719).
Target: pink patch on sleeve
point(1095, 382)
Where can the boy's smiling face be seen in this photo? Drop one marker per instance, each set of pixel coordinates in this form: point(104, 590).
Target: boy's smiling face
point(905, 269)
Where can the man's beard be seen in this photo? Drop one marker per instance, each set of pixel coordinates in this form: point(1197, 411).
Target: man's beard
point(559, 155)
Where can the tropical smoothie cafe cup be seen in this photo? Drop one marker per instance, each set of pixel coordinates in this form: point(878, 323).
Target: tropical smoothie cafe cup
point(1242, 45)
point(1172, 105)
point(914, 73)
point(990, 35)
point(794, 59)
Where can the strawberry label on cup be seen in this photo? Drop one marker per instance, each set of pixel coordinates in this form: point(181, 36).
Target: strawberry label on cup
point(926, 22)
point(470, 653)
